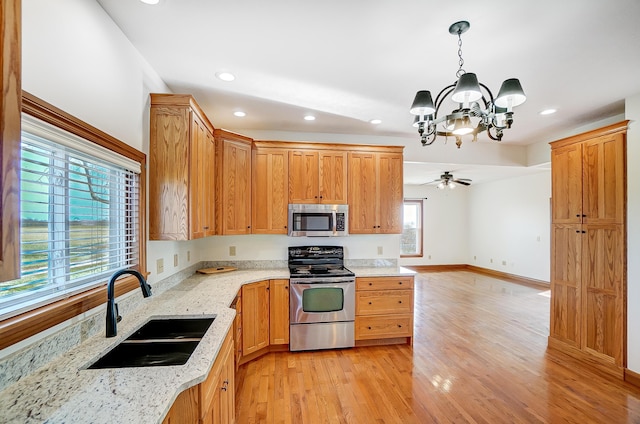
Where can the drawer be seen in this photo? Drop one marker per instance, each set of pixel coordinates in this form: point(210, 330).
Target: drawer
point(384, 283)
point(384, 326)
point(384, 302)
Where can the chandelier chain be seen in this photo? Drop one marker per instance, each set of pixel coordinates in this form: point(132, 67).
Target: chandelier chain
point(461, 60)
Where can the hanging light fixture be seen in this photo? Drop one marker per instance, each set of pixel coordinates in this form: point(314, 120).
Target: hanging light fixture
point(491, 115)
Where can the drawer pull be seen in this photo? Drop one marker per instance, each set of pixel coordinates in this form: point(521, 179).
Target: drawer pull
point(371, 284)
point(400, 282)
point(399, 326)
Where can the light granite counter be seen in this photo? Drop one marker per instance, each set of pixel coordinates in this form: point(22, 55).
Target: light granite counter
point(391, 271)
point(64, 391)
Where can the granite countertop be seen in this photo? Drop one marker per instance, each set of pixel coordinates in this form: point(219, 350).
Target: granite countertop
point(64, 391)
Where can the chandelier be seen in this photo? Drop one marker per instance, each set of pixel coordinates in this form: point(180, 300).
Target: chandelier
point(477, 111)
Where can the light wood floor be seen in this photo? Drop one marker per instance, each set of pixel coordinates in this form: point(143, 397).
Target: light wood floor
point(479, 356)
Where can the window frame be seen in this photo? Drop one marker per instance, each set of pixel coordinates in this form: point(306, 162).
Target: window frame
point(420, 203)
point(27, 324)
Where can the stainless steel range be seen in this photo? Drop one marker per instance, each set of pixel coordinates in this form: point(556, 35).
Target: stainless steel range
point(322, 299)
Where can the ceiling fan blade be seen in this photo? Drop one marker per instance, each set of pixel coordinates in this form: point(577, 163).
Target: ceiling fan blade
point(463, 179)
point(462, 182)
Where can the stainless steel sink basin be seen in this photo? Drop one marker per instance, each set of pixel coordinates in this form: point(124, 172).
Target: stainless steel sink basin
point(159, 342)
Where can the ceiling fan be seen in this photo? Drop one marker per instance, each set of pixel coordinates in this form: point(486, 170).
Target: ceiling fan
point(447, 180)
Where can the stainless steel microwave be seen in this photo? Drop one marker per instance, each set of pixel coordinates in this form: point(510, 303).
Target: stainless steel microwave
point(314, 220)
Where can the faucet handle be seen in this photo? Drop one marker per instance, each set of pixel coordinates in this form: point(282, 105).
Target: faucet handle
point(118, 317)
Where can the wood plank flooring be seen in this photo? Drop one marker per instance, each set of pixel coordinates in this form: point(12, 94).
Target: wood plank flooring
point(479, 356)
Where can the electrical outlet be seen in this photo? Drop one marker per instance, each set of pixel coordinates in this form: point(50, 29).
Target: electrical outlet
point(188, 255)
point(491, 260)
point(504, 263)
point(538, 238)
point(474, 257)
point(379, 250)
point(232, 251)
point(429, 256)
point(175, 260)
point(160, 266)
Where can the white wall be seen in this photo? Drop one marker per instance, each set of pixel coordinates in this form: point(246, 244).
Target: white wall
point(509, 225)
point(632, 112)
point(445, 224)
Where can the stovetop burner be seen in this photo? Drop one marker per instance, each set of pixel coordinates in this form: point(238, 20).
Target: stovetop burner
point(314, 261)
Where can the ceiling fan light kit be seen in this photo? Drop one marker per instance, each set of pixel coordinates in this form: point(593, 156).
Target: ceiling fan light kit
point(447, 180)
point(491, 115)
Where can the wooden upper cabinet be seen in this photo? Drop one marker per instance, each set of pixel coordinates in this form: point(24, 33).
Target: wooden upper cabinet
point(318, 176)
point(604, 179)
point(375, 192)
point(390, 197)
point(270, 191)
point(566, 186)
point(181, 173)
point(332, 177)
point(11, 89)
point(233, 183)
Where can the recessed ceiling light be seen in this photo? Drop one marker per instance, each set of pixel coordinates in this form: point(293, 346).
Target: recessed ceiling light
point(225, 76)
point(376, 121)
point(309, 118)
point(548, 111)
point(150, 1)
point(239, 113)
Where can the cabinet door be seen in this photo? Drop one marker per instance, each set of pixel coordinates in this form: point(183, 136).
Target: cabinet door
point(270, 191)
point(566, 265)
point(303, 176)
point(279, 312)
point(197, 195)
point(604, 289)
point(390, 195)
point(185, 409)
point(566, 184)
point(169, 181)
point(236, 188)
point(332, 177)
point(208, 186)
point(604, 180)
point(227, 389)
point(255, 317)
point(362, 193)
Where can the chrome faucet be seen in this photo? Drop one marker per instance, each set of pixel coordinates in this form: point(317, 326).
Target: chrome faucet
point(113, 317)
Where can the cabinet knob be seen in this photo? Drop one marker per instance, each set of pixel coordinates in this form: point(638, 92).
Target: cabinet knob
point(369, 328)
point(399, 301)
point(369, 303)
point(248, 226)
point(584, 216)
point(206, 228)
point(399, 326)
point(577, 215)
point(286, 287)
point(400, 282)
point(371, 284)
point(321, 197)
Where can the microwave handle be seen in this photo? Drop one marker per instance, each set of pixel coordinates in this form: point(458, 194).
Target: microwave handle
point(335, 221)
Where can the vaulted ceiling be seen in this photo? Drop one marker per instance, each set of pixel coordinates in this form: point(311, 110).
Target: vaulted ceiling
point(348, 62)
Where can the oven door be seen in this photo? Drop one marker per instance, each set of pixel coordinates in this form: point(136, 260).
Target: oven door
point(312, 302)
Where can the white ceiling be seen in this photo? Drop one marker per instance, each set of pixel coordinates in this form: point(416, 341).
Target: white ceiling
point(348, 62)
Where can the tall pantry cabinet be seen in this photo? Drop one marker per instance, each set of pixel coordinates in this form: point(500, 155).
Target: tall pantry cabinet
point(588, 246)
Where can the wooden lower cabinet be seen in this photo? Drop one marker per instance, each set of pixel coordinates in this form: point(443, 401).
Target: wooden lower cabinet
point(279, 312)
point(384, 308)
point(213, 400)
point(255, 317)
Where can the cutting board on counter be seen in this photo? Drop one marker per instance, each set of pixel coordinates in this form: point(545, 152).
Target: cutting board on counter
point(216, 270)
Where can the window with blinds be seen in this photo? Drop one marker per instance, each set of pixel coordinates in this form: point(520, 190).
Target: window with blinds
point(79, 216)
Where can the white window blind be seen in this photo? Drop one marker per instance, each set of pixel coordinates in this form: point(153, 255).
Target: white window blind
point(79, 214)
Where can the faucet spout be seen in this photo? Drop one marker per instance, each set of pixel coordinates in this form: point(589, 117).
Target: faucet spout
point(112, 307)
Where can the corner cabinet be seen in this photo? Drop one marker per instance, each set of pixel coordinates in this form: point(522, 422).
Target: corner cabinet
point(255, 317)
point(588, 246)
point(270, 187)
point(181, 170)
point(375, 192)
point(233, 183)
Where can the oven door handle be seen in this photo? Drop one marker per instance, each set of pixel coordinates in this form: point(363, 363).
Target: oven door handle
point(311, 282)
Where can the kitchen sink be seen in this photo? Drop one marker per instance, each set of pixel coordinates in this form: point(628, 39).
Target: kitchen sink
point(159, 342)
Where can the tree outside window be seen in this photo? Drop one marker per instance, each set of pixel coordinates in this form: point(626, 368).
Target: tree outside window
point(411, 240)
